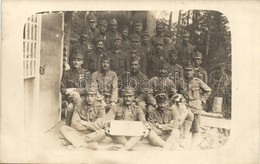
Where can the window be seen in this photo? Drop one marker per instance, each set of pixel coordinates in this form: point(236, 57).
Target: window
point(31, 46)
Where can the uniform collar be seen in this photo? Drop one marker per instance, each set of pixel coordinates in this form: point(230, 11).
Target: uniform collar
point(77, 70)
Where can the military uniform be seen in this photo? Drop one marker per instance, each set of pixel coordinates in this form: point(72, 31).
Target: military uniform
point(175, 72)
point(91, 130)
point(195, 92)
point(201, 74)
point(147, 48)
point(106, 83)
point(111, 35)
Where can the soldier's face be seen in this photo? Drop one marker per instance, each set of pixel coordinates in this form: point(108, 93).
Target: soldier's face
point(105, 64)
point(136, 44)
point(84, 36)
point(103, 29)
point(125, 33)
point(185, 39)
point(100, 46)
point(162, 105)
point(113, 27)
point(90, 99)
point(163, 72)
point(138, 27)
point(167, 39)
point(117, 44)
point(188, 73)
point(159, 30)
point(93, 24)
point(159, 47)
point(197, 61)
point(77, 62)
point(146, 39)
point(128, 99)
point(135, 66)
point(173, 58)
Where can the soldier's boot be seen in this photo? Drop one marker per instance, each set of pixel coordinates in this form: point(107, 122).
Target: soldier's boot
point(131, 143)
point(96, 136)
point(154, 139)
point(185, 142)
point(69, 114)
point(195, 140)
point(90, 145)
point(172, 141)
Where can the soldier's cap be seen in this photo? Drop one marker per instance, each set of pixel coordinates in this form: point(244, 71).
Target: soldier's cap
point(125, 28)
point(135, 38)
point(113, 21)
point(146, 33)
point(185, 33)
point(99, 38)
point(163, 64)
point(117, 37)
point(134, 57)
point(77, 55)
point(103, 22)
point(85, 29)
point(128, 91)
point(104, 57)
point(159, 25)
point(197, 55)
point(159, 41)
point(89, 91)
point(188, 66)
point(167, 33)
point(161, 97)
point(137, 20)
point(92, 18)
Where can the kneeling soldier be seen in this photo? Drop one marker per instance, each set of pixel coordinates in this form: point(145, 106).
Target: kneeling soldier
point(165, 122)
point(87, 122)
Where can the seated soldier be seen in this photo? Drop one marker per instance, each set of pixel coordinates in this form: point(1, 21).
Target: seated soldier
point(106, 81)
point(130, 112)
point(136, 80)
point(186, 118)
point(73, 83)
point(160, 84)
point(165, 122)
point(87, 122)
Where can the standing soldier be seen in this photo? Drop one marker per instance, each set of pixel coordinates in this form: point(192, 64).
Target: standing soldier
point(136, 49)
point(118, 56)
point(112, 33)
point(200, 72)
point(168, 42)
point(94, 58)
point(137, 80)
point(159, 33)
point(138, 28)
point(154, 59)
point(165, 122)
point(106, 82)
point(92, 20)
point(196, 93)
point(147, 48)
point(185, 49)
point(87, 125)
point(160, 84)
point(73, 83)
point(126, 43)
point(175, 70)
point(103, 31)
point(84, 45)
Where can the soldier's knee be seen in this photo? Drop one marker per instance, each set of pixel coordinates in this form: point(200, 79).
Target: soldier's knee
point(70, 107)
point(64, 129)
point(190, 116)
point(76, 98)
point(142, 105)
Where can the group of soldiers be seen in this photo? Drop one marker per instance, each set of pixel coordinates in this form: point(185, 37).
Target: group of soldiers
point(116, 76)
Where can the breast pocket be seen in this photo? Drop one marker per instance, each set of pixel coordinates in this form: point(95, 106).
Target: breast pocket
point(93, 61)
point(196, 93)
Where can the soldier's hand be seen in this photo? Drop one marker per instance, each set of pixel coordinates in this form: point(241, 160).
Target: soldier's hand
point(146, 132)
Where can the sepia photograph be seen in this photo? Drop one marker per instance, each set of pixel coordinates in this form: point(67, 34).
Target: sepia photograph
point(111, 81)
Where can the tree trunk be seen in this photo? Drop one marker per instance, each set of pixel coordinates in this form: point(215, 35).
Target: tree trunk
point(170, 21)
point(208, 35)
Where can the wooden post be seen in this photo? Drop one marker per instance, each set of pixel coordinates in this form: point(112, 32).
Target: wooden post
point(170, 21)
point(208, 35)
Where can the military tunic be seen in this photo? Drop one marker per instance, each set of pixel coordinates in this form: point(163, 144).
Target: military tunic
point(110, 39)
point(195, 91)
point(79, 79)
point(185, 52)
point(201, 73)
point(175, 72)
point(94, 61)
point(118, 61)
point(152, 63)
point(141, 54)
point(106, 83)
point(160, 85)
point(154, 38)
